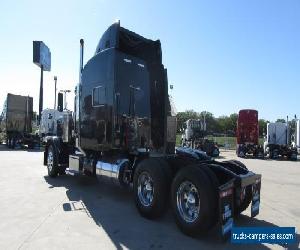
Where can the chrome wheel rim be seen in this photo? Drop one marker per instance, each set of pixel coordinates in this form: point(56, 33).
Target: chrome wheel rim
point(188, 201)
point(145, 189)
point(50, 160)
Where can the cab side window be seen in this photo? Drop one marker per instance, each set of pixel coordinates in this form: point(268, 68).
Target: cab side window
point(99, 96)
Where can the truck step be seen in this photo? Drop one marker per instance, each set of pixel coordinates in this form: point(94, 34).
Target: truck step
point(73, 172)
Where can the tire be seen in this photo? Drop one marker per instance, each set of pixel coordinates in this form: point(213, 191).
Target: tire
point(62, 171)
point(240, 152)
point(52, 164)
point(31, 145)
point(271, 154)
point(293, 156)
point(167, 170)
point(201, 192)
point(151, 185)
point(215, 184)
point(274, 154)
point(13, 143)
point(259, 153)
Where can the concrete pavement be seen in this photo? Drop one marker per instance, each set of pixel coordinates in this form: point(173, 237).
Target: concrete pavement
point(38, 212)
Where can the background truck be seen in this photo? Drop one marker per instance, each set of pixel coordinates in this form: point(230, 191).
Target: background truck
point(124, 134)
point(16, 121)
point(51, 123)
point(278, 141)
point(297, 134)
point(247, 134)
point(195, 137)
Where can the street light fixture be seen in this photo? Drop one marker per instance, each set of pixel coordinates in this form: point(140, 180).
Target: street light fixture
point(65, 91)
point(55, 81)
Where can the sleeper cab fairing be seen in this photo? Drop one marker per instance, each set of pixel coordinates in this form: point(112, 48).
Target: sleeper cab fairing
point(113, 85)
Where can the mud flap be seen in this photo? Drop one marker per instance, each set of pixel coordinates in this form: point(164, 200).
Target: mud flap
point(255, 197)
point(226, 194)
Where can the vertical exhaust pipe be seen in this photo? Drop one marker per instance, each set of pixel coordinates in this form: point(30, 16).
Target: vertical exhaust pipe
point(78, 91)
point(81, 58)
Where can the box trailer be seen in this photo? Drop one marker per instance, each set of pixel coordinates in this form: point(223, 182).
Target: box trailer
point(124, 133)
point(278, 141)
point(16, 120)
point(247, 134)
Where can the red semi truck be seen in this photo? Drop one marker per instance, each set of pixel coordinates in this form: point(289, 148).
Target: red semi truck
point(247, 134)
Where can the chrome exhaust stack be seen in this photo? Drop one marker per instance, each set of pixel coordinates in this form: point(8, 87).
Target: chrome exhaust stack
point(77, 102)
point(81, 58)
point(117, 173)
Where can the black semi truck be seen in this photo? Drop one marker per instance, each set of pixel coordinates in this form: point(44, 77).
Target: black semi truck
point(16, 121)
point(122, 131)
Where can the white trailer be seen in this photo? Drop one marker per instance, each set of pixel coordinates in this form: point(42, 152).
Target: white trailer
point(277, 133)
point(278, 141)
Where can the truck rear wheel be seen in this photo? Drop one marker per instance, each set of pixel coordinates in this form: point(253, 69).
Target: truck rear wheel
point(52, 165)
point(293, 156)
point(215, 185)
point(151, 185)
point(259, 155)
point(240, 152)
point(193, 201)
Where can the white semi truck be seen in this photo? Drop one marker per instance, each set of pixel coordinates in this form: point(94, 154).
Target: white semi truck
point(297, 134)
point(278, 141)
point(51, 122)
point(195, 137)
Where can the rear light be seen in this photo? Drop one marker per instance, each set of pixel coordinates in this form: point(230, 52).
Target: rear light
point(226, 193)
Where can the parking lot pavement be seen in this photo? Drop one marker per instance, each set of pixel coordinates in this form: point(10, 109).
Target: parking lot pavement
point(68, 212)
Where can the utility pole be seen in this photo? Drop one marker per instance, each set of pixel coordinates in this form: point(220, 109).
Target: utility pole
point(55, 81)
point(41, 94)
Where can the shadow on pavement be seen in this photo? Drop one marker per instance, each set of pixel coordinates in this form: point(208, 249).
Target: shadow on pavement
point(113, 209)
point(3, 147)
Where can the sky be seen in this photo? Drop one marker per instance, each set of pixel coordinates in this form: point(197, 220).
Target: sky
point(221, 56)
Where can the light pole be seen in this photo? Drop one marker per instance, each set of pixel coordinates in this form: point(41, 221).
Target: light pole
point(55, 81)
point(65, 91)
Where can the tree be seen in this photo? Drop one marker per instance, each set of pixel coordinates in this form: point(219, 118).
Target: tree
point(227, 124)
point(211, 122)
point(281, 120)
point(262, 125)
point(182, 117)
